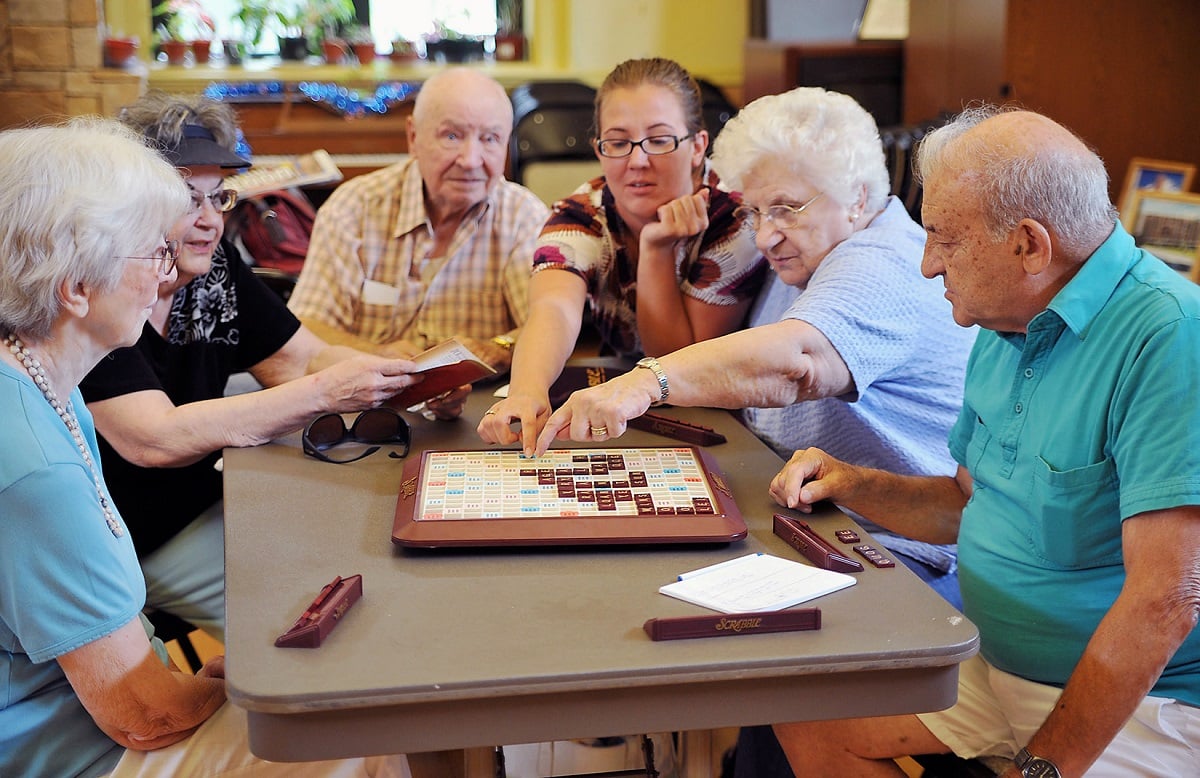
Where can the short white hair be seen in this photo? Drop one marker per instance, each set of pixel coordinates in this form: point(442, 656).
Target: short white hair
point(75, 198)
point(823, 137)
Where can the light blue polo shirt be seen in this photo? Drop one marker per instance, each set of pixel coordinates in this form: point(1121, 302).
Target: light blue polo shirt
point(1090, 418)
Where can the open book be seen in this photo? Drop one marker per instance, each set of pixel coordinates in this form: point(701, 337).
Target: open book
point(755, 582)
point(446, 366)
point(316, 167)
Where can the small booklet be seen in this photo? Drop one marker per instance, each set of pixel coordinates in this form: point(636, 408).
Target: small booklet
point(446, 366)
point(755, 582)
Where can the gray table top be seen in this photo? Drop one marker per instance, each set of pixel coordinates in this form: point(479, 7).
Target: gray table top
point(449, 649)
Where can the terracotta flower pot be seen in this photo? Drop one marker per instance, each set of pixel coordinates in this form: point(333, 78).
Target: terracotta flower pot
point(118, 51)
point(334, 51)
point(365, 52)
point(176, 51)
point(201, 50)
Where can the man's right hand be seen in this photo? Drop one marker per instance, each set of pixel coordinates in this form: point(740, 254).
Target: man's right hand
point(808, 477)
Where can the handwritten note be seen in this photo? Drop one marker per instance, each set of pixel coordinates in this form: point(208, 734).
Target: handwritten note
point(755, 582)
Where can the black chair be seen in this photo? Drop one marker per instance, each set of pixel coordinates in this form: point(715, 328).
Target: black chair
point(552, 123)
point(899, 143)
point(717, 109)
point(168, 627)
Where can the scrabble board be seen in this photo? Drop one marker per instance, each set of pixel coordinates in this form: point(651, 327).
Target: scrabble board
point(567, 496)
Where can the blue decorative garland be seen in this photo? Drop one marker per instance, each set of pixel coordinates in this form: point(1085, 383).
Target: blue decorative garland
point(334, 97)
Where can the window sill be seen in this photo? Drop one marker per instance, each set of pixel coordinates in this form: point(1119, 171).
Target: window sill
point(184, 78)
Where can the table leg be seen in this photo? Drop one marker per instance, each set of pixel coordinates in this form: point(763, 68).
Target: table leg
point(438, 764)
point(480, 762)
point(695, 754)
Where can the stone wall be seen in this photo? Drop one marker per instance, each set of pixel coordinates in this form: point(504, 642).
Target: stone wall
point(50, 63)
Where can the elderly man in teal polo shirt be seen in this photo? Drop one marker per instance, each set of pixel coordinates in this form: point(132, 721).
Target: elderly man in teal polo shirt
point(1076, 506)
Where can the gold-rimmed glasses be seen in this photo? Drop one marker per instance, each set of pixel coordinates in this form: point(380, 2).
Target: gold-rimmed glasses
point(783, 216)
point(221, 200)
point(166, 256)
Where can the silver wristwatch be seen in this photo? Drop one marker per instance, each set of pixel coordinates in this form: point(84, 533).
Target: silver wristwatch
point(664, 391)
point(1035, 766)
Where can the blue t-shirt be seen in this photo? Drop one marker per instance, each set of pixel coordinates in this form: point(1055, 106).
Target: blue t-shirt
point(1090, 418)
point(894, 329)
point(65, 581)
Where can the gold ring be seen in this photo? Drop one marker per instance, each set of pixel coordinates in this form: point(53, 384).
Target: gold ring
point(599, 430)
point(489, 411)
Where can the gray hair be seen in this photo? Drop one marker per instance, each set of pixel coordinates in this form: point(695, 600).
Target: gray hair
point(1064, 190)
point(823, 137)
point(161, 116)
point(75, 198)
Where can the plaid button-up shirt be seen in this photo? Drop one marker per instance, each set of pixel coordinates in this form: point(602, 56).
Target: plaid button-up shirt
point(369, 273)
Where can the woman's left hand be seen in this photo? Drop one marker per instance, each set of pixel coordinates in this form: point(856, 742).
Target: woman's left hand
point(678, 220)
point(597, 414)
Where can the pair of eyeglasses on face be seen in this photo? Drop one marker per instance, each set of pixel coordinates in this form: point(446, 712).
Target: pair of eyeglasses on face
point(653, 145)
point(783, 216)
point(166, 256)
point(221, 200)
point(378, 426)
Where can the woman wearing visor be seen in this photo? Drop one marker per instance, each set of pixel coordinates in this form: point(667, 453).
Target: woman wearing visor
point(160, 407)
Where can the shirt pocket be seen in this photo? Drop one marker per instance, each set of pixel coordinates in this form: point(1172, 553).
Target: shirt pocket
point(1076, 514)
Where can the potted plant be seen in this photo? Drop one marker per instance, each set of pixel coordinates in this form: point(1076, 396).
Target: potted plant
point(323, 18)
point(119, 50)
point(178, 23)
point(404, 50)
point(362, 43)
point(510, 31)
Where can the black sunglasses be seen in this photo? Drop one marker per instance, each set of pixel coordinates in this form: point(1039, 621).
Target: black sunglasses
point(378, 425)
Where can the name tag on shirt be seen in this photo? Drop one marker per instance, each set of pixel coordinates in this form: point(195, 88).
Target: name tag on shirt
point(376, 293)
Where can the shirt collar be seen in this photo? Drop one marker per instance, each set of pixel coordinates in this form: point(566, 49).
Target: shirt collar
point(1081, 300)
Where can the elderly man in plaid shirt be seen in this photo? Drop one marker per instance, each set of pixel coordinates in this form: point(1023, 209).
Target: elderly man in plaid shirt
point(435, 247)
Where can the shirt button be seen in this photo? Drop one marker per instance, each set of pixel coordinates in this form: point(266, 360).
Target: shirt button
point(1018, 407)
point(1029, 372)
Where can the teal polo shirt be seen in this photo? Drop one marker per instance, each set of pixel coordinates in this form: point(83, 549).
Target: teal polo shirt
point(1089, 419)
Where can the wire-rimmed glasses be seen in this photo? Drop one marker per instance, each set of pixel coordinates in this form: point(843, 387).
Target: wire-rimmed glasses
point(221, 200)
point(381, 426)
point(783, 216)
point(653, 145)
point(166, 256)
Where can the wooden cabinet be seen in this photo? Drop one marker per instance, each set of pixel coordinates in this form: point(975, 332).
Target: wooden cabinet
point(872, 72)
point(1122, 75)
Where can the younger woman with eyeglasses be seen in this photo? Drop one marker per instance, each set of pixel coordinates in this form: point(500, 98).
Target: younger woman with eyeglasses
point(653, 246)
point(160, 407)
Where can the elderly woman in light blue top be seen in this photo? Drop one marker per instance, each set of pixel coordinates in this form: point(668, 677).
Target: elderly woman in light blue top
point(86, 689)
point(851, 347)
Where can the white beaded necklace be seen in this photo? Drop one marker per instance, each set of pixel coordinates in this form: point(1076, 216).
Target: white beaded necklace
point(67, 414)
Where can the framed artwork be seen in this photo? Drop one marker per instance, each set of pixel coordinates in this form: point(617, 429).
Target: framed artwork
point(1153, 175)
point(1167, 224)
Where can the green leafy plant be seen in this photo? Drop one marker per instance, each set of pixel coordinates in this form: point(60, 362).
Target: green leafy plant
point(182, 20)
point(314, 19)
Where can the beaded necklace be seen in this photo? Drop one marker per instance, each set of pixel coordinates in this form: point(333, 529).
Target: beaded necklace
point(67, 414)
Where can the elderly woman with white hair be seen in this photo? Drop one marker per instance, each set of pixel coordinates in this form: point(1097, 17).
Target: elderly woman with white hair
point(86, 689)
point(850, 346)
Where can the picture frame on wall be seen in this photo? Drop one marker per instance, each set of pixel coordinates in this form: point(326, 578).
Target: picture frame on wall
point(1153, 175)
point(1167, 224)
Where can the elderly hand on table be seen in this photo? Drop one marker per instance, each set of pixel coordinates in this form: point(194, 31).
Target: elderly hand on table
point(600, 412)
